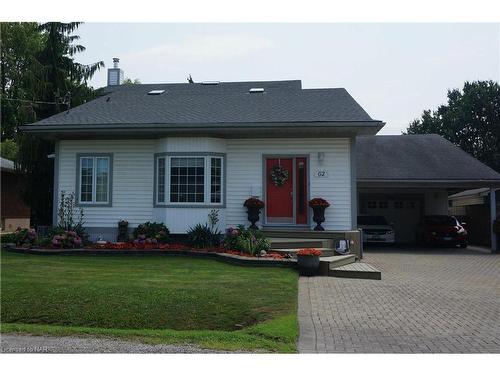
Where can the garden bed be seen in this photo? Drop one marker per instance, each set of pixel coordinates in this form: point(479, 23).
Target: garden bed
point(230, 257)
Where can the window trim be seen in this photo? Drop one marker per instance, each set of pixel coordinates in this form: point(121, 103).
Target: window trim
point(109, 203)
point(206, 203)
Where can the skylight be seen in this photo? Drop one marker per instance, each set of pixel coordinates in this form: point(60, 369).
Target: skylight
point(210, 82)
point(256, 90)
point(156, 92)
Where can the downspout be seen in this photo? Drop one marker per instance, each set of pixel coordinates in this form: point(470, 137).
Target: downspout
point(493, 216)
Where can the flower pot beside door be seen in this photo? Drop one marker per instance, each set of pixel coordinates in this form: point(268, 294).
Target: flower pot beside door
point(253, 206)
point(319, 205)
point(308, 261)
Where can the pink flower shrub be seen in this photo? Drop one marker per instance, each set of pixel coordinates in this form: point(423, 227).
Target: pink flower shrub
point(67, 240)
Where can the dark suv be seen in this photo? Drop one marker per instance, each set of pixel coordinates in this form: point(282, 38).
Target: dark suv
point(442, 230)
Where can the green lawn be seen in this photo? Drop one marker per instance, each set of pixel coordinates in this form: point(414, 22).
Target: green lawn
point(152, 298)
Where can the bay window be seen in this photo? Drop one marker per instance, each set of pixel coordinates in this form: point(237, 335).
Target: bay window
point(183, 179)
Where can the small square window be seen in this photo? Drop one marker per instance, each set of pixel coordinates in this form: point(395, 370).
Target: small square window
point(383, 204)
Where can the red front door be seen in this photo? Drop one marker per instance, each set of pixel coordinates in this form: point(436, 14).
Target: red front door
point(279, 190)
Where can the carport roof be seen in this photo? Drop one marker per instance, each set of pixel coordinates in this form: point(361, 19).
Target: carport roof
point(426, 159)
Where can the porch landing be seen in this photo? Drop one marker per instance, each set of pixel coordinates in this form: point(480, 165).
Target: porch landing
point(291, 239)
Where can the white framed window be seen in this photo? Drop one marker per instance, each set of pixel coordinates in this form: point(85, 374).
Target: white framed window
point(189, 180)
point(94, 179)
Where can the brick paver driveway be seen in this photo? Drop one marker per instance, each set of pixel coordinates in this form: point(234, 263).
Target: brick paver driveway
point(428, 301)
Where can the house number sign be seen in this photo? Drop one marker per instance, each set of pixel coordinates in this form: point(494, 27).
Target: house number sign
point(321, 173)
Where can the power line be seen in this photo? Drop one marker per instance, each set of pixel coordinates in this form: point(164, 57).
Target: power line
point(64, 101)
point(30, 101)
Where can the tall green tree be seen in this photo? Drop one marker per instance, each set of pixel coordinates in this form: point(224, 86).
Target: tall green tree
point(55, 82)
point(470, 119)
point(20, 74)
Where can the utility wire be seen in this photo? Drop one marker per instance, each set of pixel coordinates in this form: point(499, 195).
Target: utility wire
point(32, 101)
point(63, 101)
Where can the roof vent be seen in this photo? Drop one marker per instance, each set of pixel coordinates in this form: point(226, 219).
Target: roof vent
point(210, 83)
point(254, 90)
point(156, 92)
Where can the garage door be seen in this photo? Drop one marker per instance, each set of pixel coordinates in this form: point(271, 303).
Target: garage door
point(403, 211)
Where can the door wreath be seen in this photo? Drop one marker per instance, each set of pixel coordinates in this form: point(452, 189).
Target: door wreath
point(279, 175)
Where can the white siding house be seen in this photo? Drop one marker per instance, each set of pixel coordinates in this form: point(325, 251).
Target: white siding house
point(171, 153)
point(132, 182)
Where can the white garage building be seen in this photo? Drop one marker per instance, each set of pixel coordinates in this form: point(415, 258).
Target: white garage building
point(405, 177)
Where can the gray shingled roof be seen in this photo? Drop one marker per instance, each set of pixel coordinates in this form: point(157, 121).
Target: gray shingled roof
point(230, 102)
point(417, 157)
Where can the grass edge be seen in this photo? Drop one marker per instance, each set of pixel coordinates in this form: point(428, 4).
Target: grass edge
point(278, 335)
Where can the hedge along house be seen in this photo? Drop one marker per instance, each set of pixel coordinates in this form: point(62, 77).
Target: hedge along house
point(173, 152)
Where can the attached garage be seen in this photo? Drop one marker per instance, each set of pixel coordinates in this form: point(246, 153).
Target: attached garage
point(406, 177)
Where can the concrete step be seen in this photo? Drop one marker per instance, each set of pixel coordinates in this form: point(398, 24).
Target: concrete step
point(295, 243)
point(303, 233)
point(356, 270)
point(326, 263)
point(325, 251)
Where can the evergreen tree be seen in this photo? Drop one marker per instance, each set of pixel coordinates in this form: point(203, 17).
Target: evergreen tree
point(48, 81)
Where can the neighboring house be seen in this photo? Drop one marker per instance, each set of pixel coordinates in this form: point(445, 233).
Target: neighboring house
point(14, 213)
point(173, 152)
point(474, 208)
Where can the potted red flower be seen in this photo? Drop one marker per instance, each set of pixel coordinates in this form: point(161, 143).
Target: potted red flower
point(319, 205)
point(253, 206)
point(308, 261)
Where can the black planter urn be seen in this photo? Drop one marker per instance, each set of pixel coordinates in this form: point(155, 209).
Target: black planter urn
point(253, 214)
point(308, 265)
point(319, 217)
point(122, 231)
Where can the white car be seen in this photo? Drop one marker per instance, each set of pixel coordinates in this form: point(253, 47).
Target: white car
point(376, 229)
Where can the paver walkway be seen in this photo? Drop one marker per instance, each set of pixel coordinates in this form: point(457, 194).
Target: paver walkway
point(438, 301)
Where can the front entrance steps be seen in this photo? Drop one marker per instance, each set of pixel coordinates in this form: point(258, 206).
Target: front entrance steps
point(283, 238)
point(326, 263)
point(297, 243)
point(358, 270)
point(288, 241)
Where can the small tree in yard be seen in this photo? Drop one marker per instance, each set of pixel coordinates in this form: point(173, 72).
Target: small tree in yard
point(67, 213)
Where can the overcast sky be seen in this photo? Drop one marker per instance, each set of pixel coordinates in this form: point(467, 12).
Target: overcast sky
point(393, 70)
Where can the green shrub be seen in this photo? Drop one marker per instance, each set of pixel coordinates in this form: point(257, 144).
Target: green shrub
point(206, 235)
point(66, 240)
point(249, 240)
point(201, 236)
point(23, 237)
point(151, 231)
point(8, 238)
